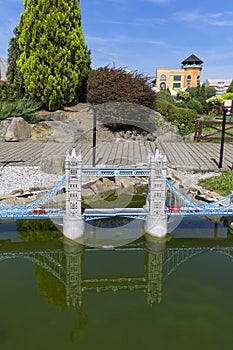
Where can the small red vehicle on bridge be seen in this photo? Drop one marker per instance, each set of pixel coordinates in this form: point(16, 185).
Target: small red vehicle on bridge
point(38, 210)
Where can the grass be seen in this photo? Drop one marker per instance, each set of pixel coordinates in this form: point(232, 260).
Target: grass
point(222, 184)
point(209, 130)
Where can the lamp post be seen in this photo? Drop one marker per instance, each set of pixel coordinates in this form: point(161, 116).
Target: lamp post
point(225, 110)
point(94, 137)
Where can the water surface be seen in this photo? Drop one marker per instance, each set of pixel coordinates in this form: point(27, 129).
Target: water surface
point(145, 295)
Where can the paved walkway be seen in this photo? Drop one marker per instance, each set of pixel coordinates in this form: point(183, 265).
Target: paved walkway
point(197, 157)
point(192, 157)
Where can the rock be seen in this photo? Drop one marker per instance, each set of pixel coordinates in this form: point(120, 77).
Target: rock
point(3, 128)
point(53, 165)
point(55, 131)
point(87, 192)
point(18, 129)
point(128, 181)
point(197, 189)
point(98, 187)
point(189, 137)
point(107, 182)
point(170, 137)
point(41, 130)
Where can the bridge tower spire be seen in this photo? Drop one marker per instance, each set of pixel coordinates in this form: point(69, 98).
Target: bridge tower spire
point(73, 221)
point(156, 222)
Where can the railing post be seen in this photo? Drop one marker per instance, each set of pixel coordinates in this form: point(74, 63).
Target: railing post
point(223, 136)
point(196, 131)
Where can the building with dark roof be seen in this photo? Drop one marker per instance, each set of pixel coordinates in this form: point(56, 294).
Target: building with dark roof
point(180, 78)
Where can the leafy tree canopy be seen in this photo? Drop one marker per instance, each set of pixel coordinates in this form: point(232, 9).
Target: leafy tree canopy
point(119, 85)
point(227, 96)
point(183, 96)
point(53, 51)
point(215, 101)
point(15, 81)
point(230, 88)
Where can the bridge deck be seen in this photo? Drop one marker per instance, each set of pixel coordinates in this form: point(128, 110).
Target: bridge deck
point(187, 156)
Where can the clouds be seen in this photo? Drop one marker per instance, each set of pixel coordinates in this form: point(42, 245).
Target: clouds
point(197, 17)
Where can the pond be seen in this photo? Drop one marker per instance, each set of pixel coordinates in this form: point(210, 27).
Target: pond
point(147, 294)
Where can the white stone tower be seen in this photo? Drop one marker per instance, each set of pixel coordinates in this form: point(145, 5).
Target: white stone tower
point(73, 221)
point(156, 222)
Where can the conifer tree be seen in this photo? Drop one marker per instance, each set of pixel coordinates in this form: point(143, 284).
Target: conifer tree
point(53, 51)
point(230, 88)
point(14, 76)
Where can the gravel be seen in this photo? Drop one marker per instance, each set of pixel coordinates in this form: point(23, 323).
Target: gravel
point(24, 178)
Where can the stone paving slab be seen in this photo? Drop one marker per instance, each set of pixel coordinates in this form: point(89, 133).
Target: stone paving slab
point(196, 157)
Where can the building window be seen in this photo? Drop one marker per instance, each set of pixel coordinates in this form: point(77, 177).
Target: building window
point(176, 85)
point(198, 79)
point(189, 78)
point(177, 78)
point(163, 77)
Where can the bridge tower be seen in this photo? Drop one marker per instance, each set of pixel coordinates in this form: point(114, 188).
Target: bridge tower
point(156, 221)
point(154, 270)
point(73, 253)
point(73, 221)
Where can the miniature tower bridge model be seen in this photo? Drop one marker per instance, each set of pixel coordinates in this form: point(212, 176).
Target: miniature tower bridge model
point(73, 220)
point(154, 211)
point(156, 221)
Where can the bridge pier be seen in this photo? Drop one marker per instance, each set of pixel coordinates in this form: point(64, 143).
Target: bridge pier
point(73, 227)
point(156, 221)
point(156, 225)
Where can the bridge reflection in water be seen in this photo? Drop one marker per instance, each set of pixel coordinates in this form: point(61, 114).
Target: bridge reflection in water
point(157, 259)
point(142, 266)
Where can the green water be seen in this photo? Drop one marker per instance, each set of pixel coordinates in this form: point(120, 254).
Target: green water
point(145, 295)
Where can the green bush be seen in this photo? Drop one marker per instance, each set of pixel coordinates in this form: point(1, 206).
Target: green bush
point(196, 105)
point(119, 85)
point(183, 118)
point(166, 96)
point(24, 108)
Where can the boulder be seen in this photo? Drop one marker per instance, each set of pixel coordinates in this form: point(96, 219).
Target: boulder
point(87, 192)
point(189, 137)
point(4, 124)
point(98, 187)
point(56, 131)
point(18, 129)
point(41, 130)
point(53, 165)
point(170, 137)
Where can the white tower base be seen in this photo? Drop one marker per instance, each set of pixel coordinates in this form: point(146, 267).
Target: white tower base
point(156, 225)
point(73, 227)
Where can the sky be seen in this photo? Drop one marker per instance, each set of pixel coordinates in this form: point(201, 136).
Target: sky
point(144, 34)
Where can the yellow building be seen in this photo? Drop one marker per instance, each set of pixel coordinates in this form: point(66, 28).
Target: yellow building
point(179, 78)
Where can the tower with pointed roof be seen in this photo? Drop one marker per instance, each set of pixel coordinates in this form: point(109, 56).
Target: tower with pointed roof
point(156, 221)
point(192, 67)
point(188, 75)
point(73, 168)
point(73, 222)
